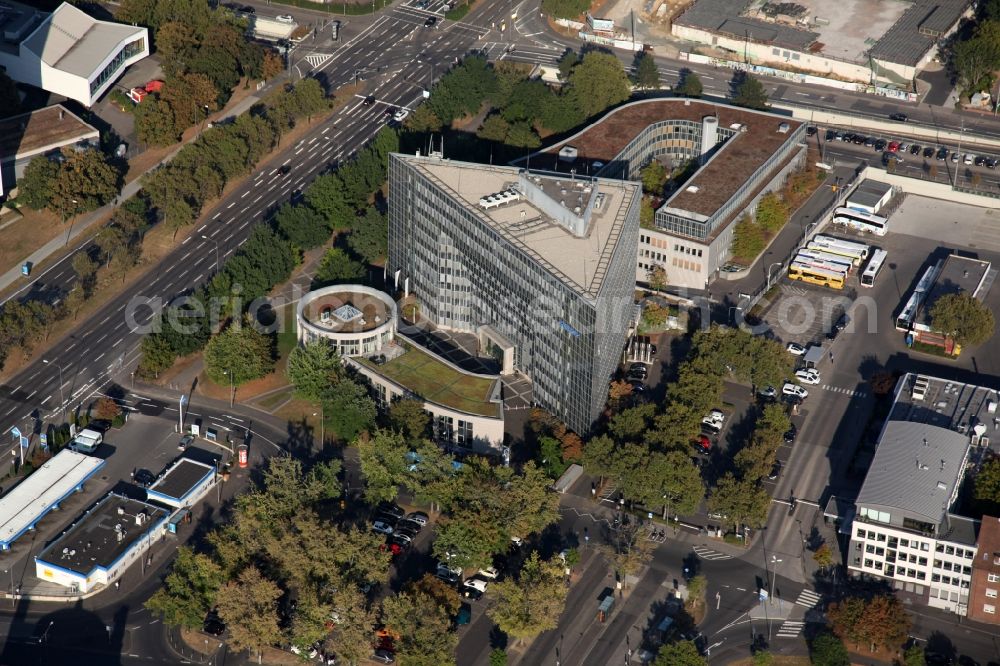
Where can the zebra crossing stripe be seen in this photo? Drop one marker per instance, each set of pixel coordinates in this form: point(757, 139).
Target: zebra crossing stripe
point(790, 629)
point(708, 554)
point(317, 59)
point(808, 598)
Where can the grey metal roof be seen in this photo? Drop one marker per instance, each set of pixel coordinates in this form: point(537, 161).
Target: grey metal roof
point(724, 16)
point(915, 470)
point(74, 42)
point(869, 192)
point(917, 30)
point(960, 529)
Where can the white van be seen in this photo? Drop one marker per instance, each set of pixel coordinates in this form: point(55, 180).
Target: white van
point(86, 441)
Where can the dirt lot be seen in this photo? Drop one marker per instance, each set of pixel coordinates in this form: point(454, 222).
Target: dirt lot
point(20, 239)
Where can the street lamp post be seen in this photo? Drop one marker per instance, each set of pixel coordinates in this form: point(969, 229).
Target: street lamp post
point(62, 396)
point(11, 572)
point(216, 250)
point(777, 263)
point(775, 561)
point(72, 218)
point(232, 387)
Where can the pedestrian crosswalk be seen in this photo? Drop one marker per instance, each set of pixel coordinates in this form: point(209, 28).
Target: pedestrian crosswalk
point(317, 59)
point(844, 391)
point(808, 598)
point(709, 554)
point(790, 629)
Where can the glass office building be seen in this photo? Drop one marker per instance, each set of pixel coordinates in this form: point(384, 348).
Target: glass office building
point(539, 266)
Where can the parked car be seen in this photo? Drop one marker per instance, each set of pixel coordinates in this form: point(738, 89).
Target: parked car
point(715, 417)
point(991, 163)
point(637, 386)
point(702, 443)
point(891, 158)
point(382, 528)
point(955, 157)
point(489, 573)
point(794, 390)
point(928, 152)
point(795, 349)
point(408, 526)
point(915, 149)
point(768, 393)
point(143, 478)
point(474, 588)
point(775, 471)
point(980, 160)
point(942, 154)
point(898, 117)
point(448, 574)
point(383, 656)
point(969, 159)
point(869, 141)
point(186, 441)
point(400, 115)
point(418, 517)
point(879, 145)
point(430, 22)
point(791, 434)
point(893, 147)
point(830, 135)
point(285, 18)
point(810, 130)
point(810, 376)
point(390, 509)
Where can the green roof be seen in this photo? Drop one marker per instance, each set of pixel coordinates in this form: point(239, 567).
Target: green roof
point(434, 381)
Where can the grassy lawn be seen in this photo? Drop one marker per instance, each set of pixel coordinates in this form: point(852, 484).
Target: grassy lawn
point(424, 375)
point(778, 660)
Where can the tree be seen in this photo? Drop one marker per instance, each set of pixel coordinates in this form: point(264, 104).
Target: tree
point(423, 627)
point(34, 188)
point(337, 267)
point(987, 486)
point(772, 213)
point(155, 123)
point(494, 128)
point(443, 594)
point(828, 650)
point(302, 226)
point(10, 100)
point(748, 239)
point(690, 85)
point(823, 556)
point(656, 277)
point(498, 657)
point(654, 315)
point(679, 653)
point(74, 300)
point(383, 463)
point(349, 409)
point(914, 656)
point(598, 82)
point(312, 368)
point(523, 135)
point(531, 603)
point(85, 268)
point(369, 237)
point(567, 62)
point(407, 415)
point(962, 317)
point(749, 92)
point(975, 59)
point(647, 74)
point(654, 175)
point(85, 181)
point(423, 120)
point(238, 355)
point(107, 408)
point(157, 356)
point(188, 592)
point(249, 607)
point(742, 502)
point(879, 622)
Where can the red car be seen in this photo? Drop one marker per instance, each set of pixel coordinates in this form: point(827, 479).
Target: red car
point(893, 147)
point(702, 443)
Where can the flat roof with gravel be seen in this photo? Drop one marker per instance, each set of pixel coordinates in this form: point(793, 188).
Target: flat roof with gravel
point(29, 134)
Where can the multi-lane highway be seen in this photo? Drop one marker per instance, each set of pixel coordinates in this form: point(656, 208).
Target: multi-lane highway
point(106, 343)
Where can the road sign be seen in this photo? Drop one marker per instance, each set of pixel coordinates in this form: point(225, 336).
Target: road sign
point(44, 439)
point(24, 441)
point(15, 432)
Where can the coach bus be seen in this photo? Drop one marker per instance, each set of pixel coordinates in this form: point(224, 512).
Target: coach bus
point(857, 252)
point(904, 322)
point(820, 257)
point(873, 268)
point(859, 221)
point(812, 275)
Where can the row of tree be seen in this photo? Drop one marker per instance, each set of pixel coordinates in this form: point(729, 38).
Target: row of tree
point(753, 233)
point(204, 53)
point(974, 50)
point(76, 181)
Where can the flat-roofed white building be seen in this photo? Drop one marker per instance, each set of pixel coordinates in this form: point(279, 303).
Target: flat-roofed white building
point(68, 52)
point(102, 543)
point(43, 491)
point(904, 528)
point(183, 484)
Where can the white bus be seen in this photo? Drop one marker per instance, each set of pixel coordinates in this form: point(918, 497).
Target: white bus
point(873, 268)
point(808, 255)
point(860, 221)
point(904, 322)
point(818, 276)
point(857, 252)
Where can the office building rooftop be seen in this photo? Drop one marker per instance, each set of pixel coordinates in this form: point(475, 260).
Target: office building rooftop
point(958, 275)
point(569, 225)
point(179, 480)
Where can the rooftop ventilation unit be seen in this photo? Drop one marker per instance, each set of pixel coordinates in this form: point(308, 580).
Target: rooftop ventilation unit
point(783, 128)
point(568, 154)
point(693, 189)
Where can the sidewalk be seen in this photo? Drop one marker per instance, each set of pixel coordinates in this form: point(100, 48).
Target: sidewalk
point(82, 224)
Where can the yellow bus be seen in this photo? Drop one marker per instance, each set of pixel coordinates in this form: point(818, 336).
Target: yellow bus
point(814, 275)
